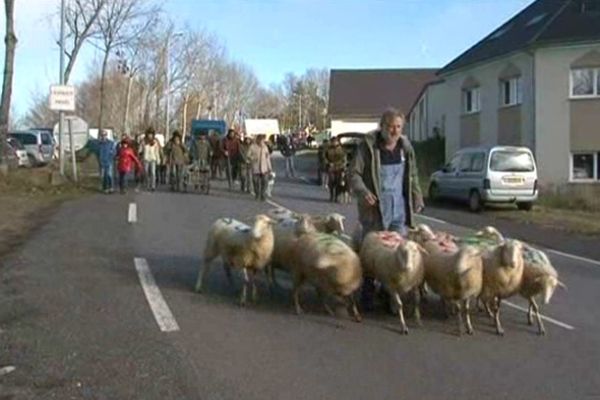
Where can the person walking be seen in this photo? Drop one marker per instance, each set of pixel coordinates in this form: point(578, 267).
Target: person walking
point(246, 165)
point(127, 163)
point(288, 151)
point(231, 151)
point(177, 159)
point(151, 156)
point(385, 181)
point(322, 166)
point(217, 155)
point(261, 166)
point(106, 158)
point(201, 152)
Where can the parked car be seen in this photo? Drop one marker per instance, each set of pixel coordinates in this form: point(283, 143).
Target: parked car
point(38, 144)
point(17, 155)
point(350, 142)
point(480, 175)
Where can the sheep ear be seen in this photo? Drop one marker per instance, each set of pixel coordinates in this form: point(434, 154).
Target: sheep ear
point(561, 285)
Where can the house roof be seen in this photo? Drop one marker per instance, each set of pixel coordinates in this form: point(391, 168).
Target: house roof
point(543, 22)
point(367, 93)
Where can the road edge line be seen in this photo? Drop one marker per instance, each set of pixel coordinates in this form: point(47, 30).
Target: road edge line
point(548, 319)
point(160, 309)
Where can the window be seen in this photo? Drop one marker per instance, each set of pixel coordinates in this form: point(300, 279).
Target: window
point(452, 166)
point(25, 138)
point(465, 163)
point(511, 161)
point(585, 166)
point(471, 100)
point(46, 139)
point(585, 82)
point(510, 91)
point(478, 162)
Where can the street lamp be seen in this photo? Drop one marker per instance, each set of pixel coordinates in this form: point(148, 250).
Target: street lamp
point(168, 81)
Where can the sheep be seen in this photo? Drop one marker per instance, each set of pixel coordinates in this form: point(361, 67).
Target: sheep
point(285, 232)
point(539, 276)
point(329, 223)
point(456, 275)
point(239, 246)
point(330, 265)
point(397, 264)
point(502, 276)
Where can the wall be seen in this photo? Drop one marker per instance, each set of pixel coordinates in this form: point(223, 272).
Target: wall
point(554, 109)
point(488, 77)
point(342, 126)
point(424, 125)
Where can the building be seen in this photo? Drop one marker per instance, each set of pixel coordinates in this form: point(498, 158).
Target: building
point(358, 97)
point(534, 81)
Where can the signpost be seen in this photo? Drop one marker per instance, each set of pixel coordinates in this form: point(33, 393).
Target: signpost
point(62, 98)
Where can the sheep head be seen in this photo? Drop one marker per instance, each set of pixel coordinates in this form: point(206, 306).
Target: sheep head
point(423, 233)
point(511, 253)
point(489, 232)
point(304, 225)
point(409, 255)
point(262, 224)
point(335, 223)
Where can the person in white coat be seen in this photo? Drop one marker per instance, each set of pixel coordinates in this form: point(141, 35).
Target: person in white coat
point(151, 157)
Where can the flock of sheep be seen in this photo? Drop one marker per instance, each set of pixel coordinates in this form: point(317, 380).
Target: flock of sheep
point(484, 267)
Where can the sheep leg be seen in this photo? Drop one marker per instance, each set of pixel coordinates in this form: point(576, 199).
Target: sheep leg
point(254, 288)
point(417, 294)
point(499, 329)
point(296, 294)
point(244, 294)
point(530, 313)
point(201, 281)
point(228, 274)
point(467, 311)
point(354, 308)
point(536, 309)
point(401, 313)
point(325, 305)
point(459, 317)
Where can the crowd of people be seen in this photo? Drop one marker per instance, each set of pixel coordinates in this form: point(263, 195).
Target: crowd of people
point(145, 162)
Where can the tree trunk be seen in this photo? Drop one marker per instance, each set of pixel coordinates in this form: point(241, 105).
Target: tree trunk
point(10, 41)
point(126, 125)
point(102, 81)
point(199, 108)
point(186, 98)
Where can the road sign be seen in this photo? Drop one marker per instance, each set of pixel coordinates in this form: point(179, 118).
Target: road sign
point(62, 98)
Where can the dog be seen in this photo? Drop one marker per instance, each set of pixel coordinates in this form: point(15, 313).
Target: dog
point(270, 184)
point(339, 186)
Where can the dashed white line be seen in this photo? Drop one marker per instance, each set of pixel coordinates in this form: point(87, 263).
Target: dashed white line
point(7, 370)
point(132, 213)
point(439, 221)
point(164, 318)
point(271, 202)
point(551, 320)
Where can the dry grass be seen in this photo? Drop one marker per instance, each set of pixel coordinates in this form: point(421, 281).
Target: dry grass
point(27, 200)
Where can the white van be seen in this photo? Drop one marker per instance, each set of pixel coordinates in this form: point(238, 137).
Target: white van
point(480, 175)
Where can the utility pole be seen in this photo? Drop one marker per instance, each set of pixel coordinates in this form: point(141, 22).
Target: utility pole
point(61, 115)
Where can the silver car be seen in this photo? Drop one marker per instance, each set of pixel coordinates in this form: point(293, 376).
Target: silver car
point(38, 144)
point(480, 175)
point(17, 155)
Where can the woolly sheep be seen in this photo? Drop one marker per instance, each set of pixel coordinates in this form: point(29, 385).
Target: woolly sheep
point(502, 276)
point(456, 275)
point(539, 276)
point(329, 223)
point(330, 265)
point(239, 246)
point(397, 264)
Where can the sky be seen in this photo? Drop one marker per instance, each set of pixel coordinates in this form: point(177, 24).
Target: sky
point(275, 37)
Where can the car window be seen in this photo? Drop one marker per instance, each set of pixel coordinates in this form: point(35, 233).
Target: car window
point(511, 161)
point(478, 162)
point(465, 163)
point(25, 138)
point(46, 139)
point(453, 164)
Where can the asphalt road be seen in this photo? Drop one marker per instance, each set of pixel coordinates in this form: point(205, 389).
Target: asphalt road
point(79, 324)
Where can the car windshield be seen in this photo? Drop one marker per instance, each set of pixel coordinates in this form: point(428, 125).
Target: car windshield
point(26, 138)
point(511, 161)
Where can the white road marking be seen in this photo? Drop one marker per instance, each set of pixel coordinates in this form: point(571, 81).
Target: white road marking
point(439, 221)
point(579, 258)
point(271, 202)
point(7, 370)
point(132, 213)
point(305, 179)
point(164, 318)
point(551, 320)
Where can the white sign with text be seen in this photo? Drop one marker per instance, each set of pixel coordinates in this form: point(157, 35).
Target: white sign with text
point(62, 98)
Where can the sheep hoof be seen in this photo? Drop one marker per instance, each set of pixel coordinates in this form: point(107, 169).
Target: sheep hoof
point(405, 331)
point(542, 333)
point(470, 332)
point(500, 332)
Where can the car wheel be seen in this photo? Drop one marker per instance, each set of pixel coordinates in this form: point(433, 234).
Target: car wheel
point(525, 206)
point(32, 161)
point(433, 192)
point(475, 204)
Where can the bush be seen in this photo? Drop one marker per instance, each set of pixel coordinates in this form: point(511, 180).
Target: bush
point(430, 155)
point(580, 197)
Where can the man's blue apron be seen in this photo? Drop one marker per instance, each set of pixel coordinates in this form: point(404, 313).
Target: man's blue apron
point(391, 202)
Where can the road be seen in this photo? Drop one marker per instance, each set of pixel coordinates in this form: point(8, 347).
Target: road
point(80, 324)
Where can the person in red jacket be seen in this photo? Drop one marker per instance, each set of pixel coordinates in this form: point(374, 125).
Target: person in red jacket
point(127, 162)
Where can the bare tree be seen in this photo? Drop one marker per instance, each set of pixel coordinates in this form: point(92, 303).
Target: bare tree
point(39, 113)
point(80, 19)
point(10, 41)
point(120, 22)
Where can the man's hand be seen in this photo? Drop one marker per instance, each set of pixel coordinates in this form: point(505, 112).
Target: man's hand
point(370, 199)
